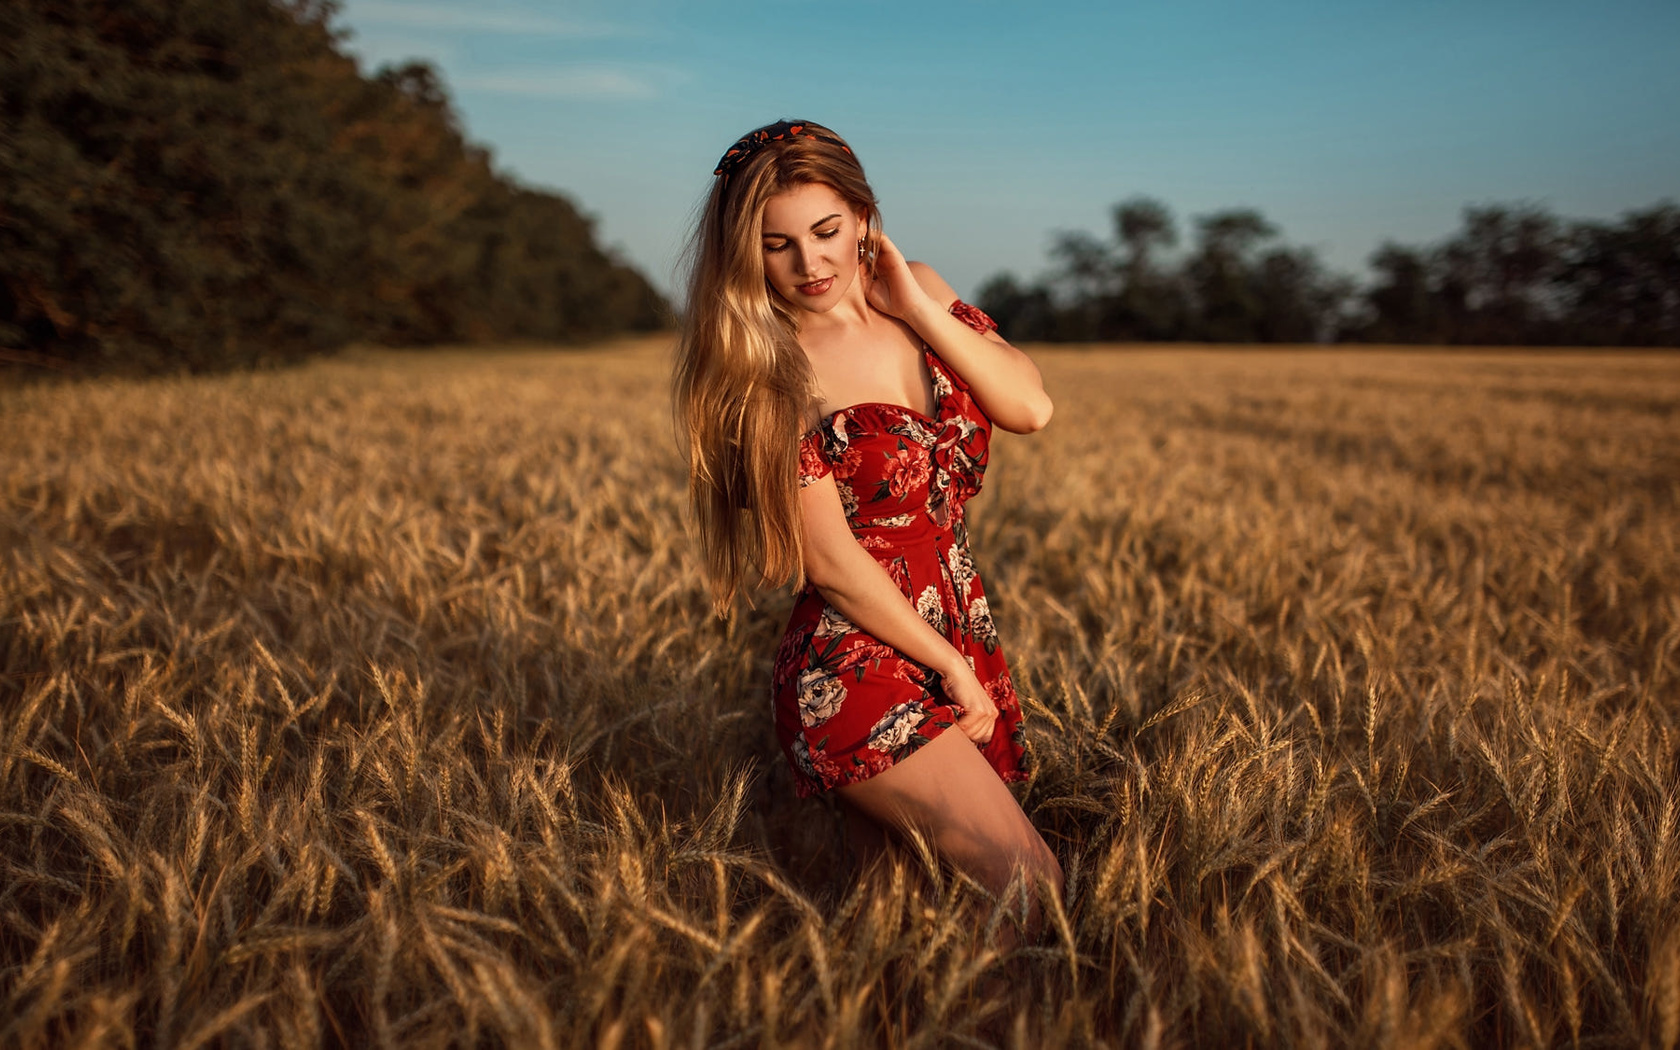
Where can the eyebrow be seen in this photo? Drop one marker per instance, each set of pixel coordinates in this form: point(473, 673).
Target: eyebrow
point(820, 222)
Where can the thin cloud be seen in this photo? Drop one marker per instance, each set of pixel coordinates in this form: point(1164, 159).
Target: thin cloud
point(571, 82)
point(384, 50)
point(467, 18)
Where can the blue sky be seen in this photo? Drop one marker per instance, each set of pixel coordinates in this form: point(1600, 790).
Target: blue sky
point(985, 127)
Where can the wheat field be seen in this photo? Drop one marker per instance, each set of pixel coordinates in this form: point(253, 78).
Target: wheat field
point(375, 703)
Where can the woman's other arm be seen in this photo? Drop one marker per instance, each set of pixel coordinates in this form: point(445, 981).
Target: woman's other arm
point(1004, 381)
point(861, 591)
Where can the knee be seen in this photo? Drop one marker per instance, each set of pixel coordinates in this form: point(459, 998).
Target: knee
point(1044, 869)
point(1053, 871)
point(1032, 863)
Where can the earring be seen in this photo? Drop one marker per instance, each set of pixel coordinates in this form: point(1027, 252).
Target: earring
point(862, 251)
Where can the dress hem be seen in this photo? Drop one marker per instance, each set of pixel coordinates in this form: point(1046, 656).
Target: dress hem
point(805, 786)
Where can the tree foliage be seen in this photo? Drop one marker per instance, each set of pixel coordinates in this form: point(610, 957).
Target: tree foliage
point(1514, 274)
point(1234, 285)
point(198, 184)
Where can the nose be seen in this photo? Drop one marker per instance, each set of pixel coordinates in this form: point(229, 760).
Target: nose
point(804, 258)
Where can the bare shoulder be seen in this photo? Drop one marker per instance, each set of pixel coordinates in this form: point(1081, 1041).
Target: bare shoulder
point(932, 283)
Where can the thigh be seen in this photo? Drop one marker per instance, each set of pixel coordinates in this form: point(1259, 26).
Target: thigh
point(950, 793)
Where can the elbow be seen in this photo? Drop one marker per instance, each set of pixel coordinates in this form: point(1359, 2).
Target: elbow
point(1042, 411)
point(1034, 415)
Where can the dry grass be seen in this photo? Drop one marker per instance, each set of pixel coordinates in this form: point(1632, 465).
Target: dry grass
point(374, 703)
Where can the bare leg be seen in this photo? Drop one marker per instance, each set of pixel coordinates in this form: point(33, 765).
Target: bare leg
point(949, 793)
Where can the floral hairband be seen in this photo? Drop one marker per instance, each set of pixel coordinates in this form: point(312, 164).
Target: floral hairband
point(753, 141)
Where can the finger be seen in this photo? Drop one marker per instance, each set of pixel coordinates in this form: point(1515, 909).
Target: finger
point(984, 709)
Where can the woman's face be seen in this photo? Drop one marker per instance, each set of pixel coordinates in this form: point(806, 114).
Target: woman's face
point(810, 245)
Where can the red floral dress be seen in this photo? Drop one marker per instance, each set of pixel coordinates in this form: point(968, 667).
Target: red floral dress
point(848, 706)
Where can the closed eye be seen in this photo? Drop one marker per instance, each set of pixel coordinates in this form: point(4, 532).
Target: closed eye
point(782, 246)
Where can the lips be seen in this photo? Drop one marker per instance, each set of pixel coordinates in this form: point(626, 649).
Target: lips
point(815, 287)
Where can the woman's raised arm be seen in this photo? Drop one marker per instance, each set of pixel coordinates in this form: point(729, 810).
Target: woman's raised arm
point(1004, 381)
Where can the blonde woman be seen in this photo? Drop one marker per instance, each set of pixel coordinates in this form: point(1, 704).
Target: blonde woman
point(838, 402)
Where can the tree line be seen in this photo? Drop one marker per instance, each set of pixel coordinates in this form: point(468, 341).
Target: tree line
point(201, 184)
point(1513, 274)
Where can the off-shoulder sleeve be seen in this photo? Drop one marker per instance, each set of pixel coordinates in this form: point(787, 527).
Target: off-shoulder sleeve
point(973, 316)
point(814, 463)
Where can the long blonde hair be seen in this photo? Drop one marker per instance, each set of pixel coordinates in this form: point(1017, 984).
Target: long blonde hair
point(743, 391)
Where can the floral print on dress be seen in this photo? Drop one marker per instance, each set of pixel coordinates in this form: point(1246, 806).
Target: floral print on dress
point(961, 567)
point(814, 763)
point(931, 607)
point(833, 625)
point(847, 705)
point(980, 624)
point(906, 471)
point(820, 695)
point(896, 727)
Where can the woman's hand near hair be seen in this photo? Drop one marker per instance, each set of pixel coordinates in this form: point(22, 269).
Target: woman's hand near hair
point(1004, 381)
point(860, 590)
point(894, 289)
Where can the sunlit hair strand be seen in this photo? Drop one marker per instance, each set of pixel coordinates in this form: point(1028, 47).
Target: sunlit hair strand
point(743, 391)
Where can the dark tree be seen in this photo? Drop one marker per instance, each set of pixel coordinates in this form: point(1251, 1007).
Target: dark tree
point(1514, 274)
point(199, 184)
point(1143, 225)
point(1402, 304)
point(1086, 271)
point(1299, 301)
point(1151, 303)
point(164, 201)
point(1220, 275)
point(1025, 314)
point(1621, 283)
point(1497, 276)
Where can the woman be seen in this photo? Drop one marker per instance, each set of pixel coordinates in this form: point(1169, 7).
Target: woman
point(838, 403)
